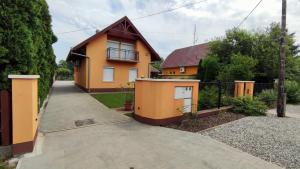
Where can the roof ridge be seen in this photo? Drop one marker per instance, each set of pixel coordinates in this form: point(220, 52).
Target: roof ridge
point(187, 56)
point(192, 46)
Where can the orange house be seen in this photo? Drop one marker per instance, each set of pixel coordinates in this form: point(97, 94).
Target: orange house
point(111, 58)
point(183, 63)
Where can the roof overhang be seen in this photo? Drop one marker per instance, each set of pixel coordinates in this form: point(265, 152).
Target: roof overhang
point(114, 32)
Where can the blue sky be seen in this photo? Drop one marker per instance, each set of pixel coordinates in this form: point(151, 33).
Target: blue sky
point(167, 31)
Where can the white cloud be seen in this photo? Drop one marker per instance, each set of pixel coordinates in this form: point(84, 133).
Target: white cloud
point(167, 31)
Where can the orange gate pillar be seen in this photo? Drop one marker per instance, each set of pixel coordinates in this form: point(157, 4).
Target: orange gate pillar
point(239, 88)
point(243, 88)
point(24, 112)
point(249, 88)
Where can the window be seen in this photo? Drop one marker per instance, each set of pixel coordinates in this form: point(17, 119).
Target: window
point(114, 49)
point(132, 74)
point(108, 74)
point(121, 50)
point(127, 51)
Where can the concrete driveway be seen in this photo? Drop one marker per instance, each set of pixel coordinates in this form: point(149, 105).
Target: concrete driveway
point(118, 142)
point(68, 103)
point(291, 111)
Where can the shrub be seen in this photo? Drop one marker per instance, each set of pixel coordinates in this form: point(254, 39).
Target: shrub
point(292, 89)
point(208, 97)
point(249, 106)
point(268, 96)
point(129, 97)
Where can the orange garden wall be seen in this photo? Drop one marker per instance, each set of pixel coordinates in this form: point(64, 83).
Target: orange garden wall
point(155, 102)
point(96, 51)
point(80, 73)
point(24, 112)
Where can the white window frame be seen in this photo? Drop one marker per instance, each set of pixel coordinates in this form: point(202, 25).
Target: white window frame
point(129, 80)
point(113, 74)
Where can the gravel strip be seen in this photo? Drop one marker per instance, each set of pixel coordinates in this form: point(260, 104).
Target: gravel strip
point(270, 138)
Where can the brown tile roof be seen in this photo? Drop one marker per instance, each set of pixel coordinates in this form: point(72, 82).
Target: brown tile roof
point(154, 55)
point(188, 56)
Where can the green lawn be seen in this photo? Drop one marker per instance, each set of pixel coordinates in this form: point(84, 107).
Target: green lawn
point(111, 100)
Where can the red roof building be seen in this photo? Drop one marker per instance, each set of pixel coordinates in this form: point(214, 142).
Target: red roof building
point(183, 63)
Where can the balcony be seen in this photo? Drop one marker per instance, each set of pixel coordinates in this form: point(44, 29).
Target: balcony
point(122, 55)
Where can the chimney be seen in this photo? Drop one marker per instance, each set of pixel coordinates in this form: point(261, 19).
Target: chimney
point(97, 30)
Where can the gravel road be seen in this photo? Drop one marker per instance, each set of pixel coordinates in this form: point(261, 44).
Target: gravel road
point(270, 138)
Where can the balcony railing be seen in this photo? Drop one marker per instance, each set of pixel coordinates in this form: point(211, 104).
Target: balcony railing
point(116, 54)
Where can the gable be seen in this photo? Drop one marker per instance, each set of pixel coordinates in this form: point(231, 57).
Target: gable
point(122, 28)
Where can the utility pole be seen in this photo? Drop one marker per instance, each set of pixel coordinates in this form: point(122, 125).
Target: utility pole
point(281, 76)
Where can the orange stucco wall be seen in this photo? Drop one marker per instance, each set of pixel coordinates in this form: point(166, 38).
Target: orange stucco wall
point(96, 51)
point(80, 73)
point(189, 70)
point(155, 99)
point(25, 109)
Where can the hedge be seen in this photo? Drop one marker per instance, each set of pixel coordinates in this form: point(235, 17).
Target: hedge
point(26, 42)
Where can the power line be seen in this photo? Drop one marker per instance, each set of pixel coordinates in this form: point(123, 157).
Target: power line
point(249, 14)
point(78, 30)
point(149, 15)
point(169, 10)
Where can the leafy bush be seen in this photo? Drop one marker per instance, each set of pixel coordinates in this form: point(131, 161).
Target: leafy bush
point(208, 97)
point(129, 97)
point(268, 96)
point(208, 68)
point(240, 67)
point(249, 106)
point(226, 100)
point(292, 89)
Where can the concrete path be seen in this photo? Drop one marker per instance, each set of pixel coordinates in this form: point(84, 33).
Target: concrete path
point(118, 142)
point(68, 104)
point(291, 111)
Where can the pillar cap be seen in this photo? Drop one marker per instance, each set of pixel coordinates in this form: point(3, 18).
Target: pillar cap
point(24, 76)
point(243, 81)
point(167, 80)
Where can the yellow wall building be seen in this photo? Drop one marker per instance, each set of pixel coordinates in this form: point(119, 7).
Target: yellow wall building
point(111, 58)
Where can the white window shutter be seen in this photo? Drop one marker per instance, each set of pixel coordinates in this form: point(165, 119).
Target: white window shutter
point(132, 74)
point(108, 74)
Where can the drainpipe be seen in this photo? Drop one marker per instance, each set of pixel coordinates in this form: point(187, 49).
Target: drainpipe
point(88, 59)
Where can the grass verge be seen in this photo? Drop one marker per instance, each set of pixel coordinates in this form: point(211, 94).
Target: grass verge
point(111, 100)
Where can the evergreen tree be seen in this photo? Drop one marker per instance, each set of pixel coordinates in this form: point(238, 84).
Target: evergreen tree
point(26, 40)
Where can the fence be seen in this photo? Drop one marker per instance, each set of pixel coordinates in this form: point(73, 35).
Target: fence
point(5, 118)
point(217, 94)
point(259, 87)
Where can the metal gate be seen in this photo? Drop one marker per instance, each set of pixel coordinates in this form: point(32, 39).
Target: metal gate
point(5, 118)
